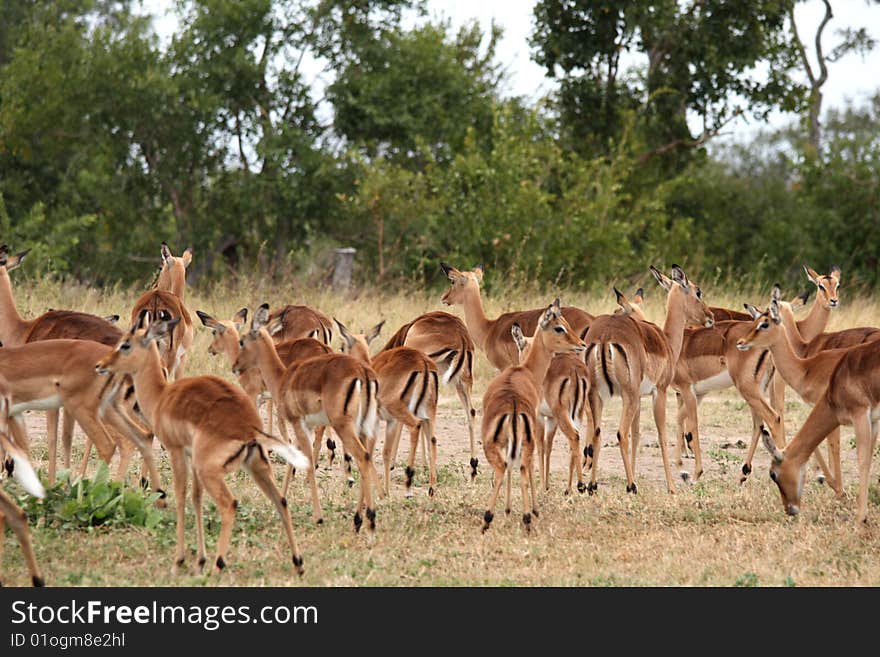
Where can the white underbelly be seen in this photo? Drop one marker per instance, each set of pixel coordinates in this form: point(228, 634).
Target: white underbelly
point(44, 404)
point(718, 382)
point(545, 409)
point(317, 419)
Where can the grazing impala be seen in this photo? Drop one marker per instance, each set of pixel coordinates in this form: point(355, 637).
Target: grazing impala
point(23, 472)
point(212, 422)
point(408, 391)
point(632, 358)
point(852, 396)
point(333, 389)
point(444, 338)
point(563, 406)
point(510, 412)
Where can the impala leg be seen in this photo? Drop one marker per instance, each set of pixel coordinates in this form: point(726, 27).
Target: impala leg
point(636, 433)
point(681, 424)
point(302, 432)
point(629, 409)
point(428, 432)
point(389, 449)
point(777, 401)
point(200, 524)
point(692, 432)
point(258, 467)
point(499, 467)
point(67, 427)
point(17, 519)
point(362, 457)
point(757, 429)
point(865, 438)
point(178, 471)
point(52, 440)
point(414, 434)
point(95, 430)
point(549, 434)
point(574, 461)
point(464, 394)
point(834, 458)
point(660, 421)
point(592, 450)
point(215, 485)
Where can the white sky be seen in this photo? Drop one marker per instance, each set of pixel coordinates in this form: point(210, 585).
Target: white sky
point(852, 78)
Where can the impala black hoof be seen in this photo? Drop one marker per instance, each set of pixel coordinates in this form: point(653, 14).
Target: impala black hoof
point(474, 464)
point(582, 487)
point(631, 489)
point(746, 469)
point(358, 521)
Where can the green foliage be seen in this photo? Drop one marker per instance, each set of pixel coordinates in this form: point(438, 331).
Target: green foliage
point(94, 502)
point(748, 579)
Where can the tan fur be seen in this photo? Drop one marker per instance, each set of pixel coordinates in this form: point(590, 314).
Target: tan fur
point(302, 322)
point(172, 275)
point(211, 422)
point(156, 301)
point(493, 335)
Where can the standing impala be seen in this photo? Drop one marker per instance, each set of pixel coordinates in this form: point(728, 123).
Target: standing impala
point(209, 422)
point(333, 389)
point(510, 412)
point(408, 390)
point(633, 358)
point(852, 396)
point(444, 338)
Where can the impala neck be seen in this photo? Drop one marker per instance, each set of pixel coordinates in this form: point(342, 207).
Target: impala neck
point(150, 383)
point(270, 364)
point(478, 324)
point(821, 421)
point(173, 279)
point(793, 335)
point(537, 361)
point(673, 326)
point(12, 325)
point(789, 364)
point(816, 321)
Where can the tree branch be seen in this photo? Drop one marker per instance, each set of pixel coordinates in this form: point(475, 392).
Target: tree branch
point(823, 68)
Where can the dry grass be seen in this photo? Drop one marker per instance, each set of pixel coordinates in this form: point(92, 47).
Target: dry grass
point(716, 532)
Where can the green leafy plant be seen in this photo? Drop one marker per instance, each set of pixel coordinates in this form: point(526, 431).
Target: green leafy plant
point(94, 502)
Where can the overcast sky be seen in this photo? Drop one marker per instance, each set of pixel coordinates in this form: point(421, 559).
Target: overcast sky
point(852, 78)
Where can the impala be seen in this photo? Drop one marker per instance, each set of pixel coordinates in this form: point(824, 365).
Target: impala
point(852, 396)
point(633, 358)
point(446, 341)
point(333, 389)
point(563, 406)
point(510, 425)
point(211, 421)
point(408, 391)
point(301, 322)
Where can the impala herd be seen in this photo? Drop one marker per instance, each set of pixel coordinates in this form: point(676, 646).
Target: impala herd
point(557, 366)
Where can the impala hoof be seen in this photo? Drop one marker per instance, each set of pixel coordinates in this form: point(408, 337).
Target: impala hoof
point(474, 464)
point(358, 521)
point(582, 487)
point(631, 488)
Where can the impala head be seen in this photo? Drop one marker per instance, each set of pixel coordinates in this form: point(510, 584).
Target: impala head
point(11, 261)
point(129, 356)
point(172, 275)
point(632, 307)
point(358, 344)
point(685, 295)
point(554, 332)
point(261, 329)
point(224, 332)
point(765, 328)
point(786, 475)
point(463, 283)
point(827, 286)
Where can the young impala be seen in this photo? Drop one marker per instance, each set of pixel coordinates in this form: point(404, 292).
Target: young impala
point(510, 412)
point(208, 421)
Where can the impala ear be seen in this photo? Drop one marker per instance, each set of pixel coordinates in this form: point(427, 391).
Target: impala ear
point(776, 293)
point(754, 312)
point(112, 319)
point(812, 275)
point(680, 277)
point(345, 333)
point(210, 322)
point(187, 256)
point(774, 312)
point(160, 329)
point(451, 272)
point(549, 315)
point(166, 252)
point(261, 317)
point(239, 319)
point(662, 279)
point(479, 270)
point(14, 261)
point(373, 333)
point(771, 447)
point(142, 321)
point(835, 273)
point(518, 337)
point(804, 297)
point(639, 297)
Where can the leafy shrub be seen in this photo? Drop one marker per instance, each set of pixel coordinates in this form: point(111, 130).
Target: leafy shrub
point(94, 502)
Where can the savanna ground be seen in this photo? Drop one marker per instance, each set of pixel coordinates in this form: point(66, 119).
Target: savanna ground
point(715, 532)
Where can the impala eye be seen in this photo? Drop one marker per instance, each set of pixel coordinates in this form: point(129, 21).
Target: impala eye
point(764, 325)
point(699, 293)
point(125, 346)
point(241, 343)
point(560, 329)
